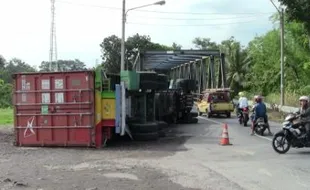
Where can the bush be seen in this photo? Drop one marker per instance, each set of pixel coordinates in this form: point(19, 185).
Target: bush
point(5, 94)
point(290, 99)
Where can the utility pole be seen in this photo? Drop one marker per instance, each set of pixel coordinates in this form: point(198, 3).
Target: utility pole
point(123, 36)
point(53, 44)
point(282, 88)
point(124, 15)
point(282, 57)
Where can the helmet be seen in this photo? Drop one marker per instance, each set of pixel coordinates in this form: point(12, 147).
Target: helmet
point(241, 94)
point(304, 98)
point(257, 98)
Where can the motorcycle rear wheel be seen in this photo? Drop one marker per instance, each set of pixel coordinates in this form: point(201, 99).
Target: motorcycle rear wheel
point(276, 146)
point(245, 124)
point(245, 121)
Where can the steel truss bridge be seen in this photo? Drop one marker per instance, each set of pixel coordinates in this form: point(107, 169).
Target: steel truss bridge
point(205, 66)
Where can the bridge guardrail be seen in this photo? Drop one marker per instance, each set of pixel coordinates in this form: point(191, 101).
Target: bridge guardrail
point(274, 107)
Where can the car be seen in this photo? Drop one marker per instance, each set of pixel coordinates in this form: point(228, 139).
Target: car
point(215, 102)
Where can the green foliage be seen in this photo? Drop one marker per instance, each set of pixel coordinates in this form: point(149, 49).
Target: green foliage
point(111, 50)
point(256, 68)
point(14, 66)
point(298, 10)
point(6, 70)
point(205, 43)
point(65, 65)
point(6, 116)
point(5, 94)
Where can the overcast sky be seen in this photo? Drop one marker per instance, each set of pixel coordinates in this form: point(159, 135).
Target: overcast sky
point(81, 25)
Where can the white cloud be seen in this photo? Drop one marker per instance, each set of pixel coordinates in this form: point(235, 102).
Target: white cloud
point(81, 27)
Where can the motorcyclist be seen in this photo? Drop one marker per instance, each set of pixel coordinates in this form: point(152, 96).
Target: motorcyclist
point(304, 112)
point(260, 110)
point(243, 102)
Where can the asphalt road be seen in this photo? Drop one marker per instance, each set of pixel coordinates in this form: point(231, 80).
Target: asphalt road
point(251, 162)
point(188, 158)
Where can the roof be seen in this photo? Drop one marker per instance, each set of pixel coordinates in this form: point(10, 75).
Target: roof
point(166, 60)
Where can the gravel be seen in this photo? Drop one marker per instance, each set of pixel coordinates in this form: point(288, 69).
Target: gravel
point(164, 164)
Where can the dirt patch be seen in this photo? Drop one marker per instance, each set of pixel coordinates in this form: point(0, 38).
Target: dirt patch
point(276, 116)
point(6, 135)
point(80, 169)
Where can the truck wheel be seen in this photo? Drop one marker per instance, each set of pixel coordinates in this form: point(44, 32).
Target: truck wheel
point(209, 115)
point(194, 114)
point(162, 125)
point(145, 136)
point(144, 127)
point(194, 120)
point(228, 115)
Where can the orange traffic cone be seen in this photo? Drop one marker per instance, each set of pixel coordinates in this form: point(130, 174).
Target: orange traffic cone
point(225, 137)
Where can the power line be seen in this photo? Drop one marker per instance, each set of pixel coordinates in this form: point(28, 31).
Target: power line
point(169, 18)
point(163, 12)
point(146, 24)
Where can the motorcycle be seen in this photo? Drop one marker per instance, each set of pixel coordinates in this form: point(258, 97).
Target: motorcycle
point(243, 116)
point(260, 126)
point(292, 134)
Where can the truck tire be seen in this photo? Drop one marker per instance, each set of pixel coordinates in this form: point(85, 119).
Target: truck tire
point(144, 127)
point(194, 114)
point(209, 114)
point(194, 120)
point(228, 115)
point(162, 125)
point(145, 136)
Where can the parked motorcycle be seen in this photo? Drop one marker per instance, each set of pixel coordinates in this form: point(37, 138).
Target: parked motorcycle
point(243, 116)
point(260, 126)
point(292, 134)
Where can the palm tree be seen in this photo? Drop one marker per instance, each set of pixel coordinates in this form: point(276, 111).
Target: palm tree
point(237, 62)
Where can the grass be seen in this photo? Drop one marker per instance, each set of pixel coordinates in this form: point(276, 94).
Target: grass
point(275, 116)
point(291, 99)
point(6, 116)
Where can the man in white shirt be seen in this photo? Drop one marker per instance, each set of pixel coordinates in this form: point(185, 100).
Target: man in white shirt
point(243, 102)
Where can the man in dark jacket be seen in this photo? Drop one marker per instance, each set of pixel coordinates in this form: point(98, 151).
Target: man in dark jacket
point(260, 110)
point(304, 112)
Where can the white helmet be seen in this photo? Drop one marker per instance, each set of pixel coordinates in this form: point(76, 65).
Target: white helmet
point(304, 98)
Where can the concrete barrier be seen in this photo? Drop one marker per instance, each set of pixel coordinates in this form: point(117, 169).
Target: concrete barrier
point(274, 107)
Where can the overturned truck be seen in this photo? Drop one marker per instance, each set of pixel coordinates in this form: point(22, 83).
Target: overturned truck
point(89, 108)
point(175, 104)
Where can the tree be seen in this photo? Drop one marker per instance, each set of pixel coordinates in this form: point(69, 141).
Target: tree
point(237, 63)
point(176, 46)
point(111, 50)
point(14, 66)
point(298, 10)
point(205, 43)
point(2, 62)
point(5, 94)
point(65, 65)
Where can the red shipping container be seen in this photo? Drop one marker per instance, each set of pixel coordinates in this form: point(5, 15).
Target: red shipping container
point(54, 109)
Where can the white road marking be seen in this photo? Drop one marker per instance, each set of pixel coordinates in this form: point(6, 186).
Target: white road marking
point(262, 137)
point(221, 123)
point(245, 152)
point(217, 122)
point(265, 171)
point(121, 176)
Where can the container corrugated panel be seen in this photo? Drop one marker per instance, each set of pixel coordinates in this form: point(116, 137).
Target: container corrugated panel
point(54, 109)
